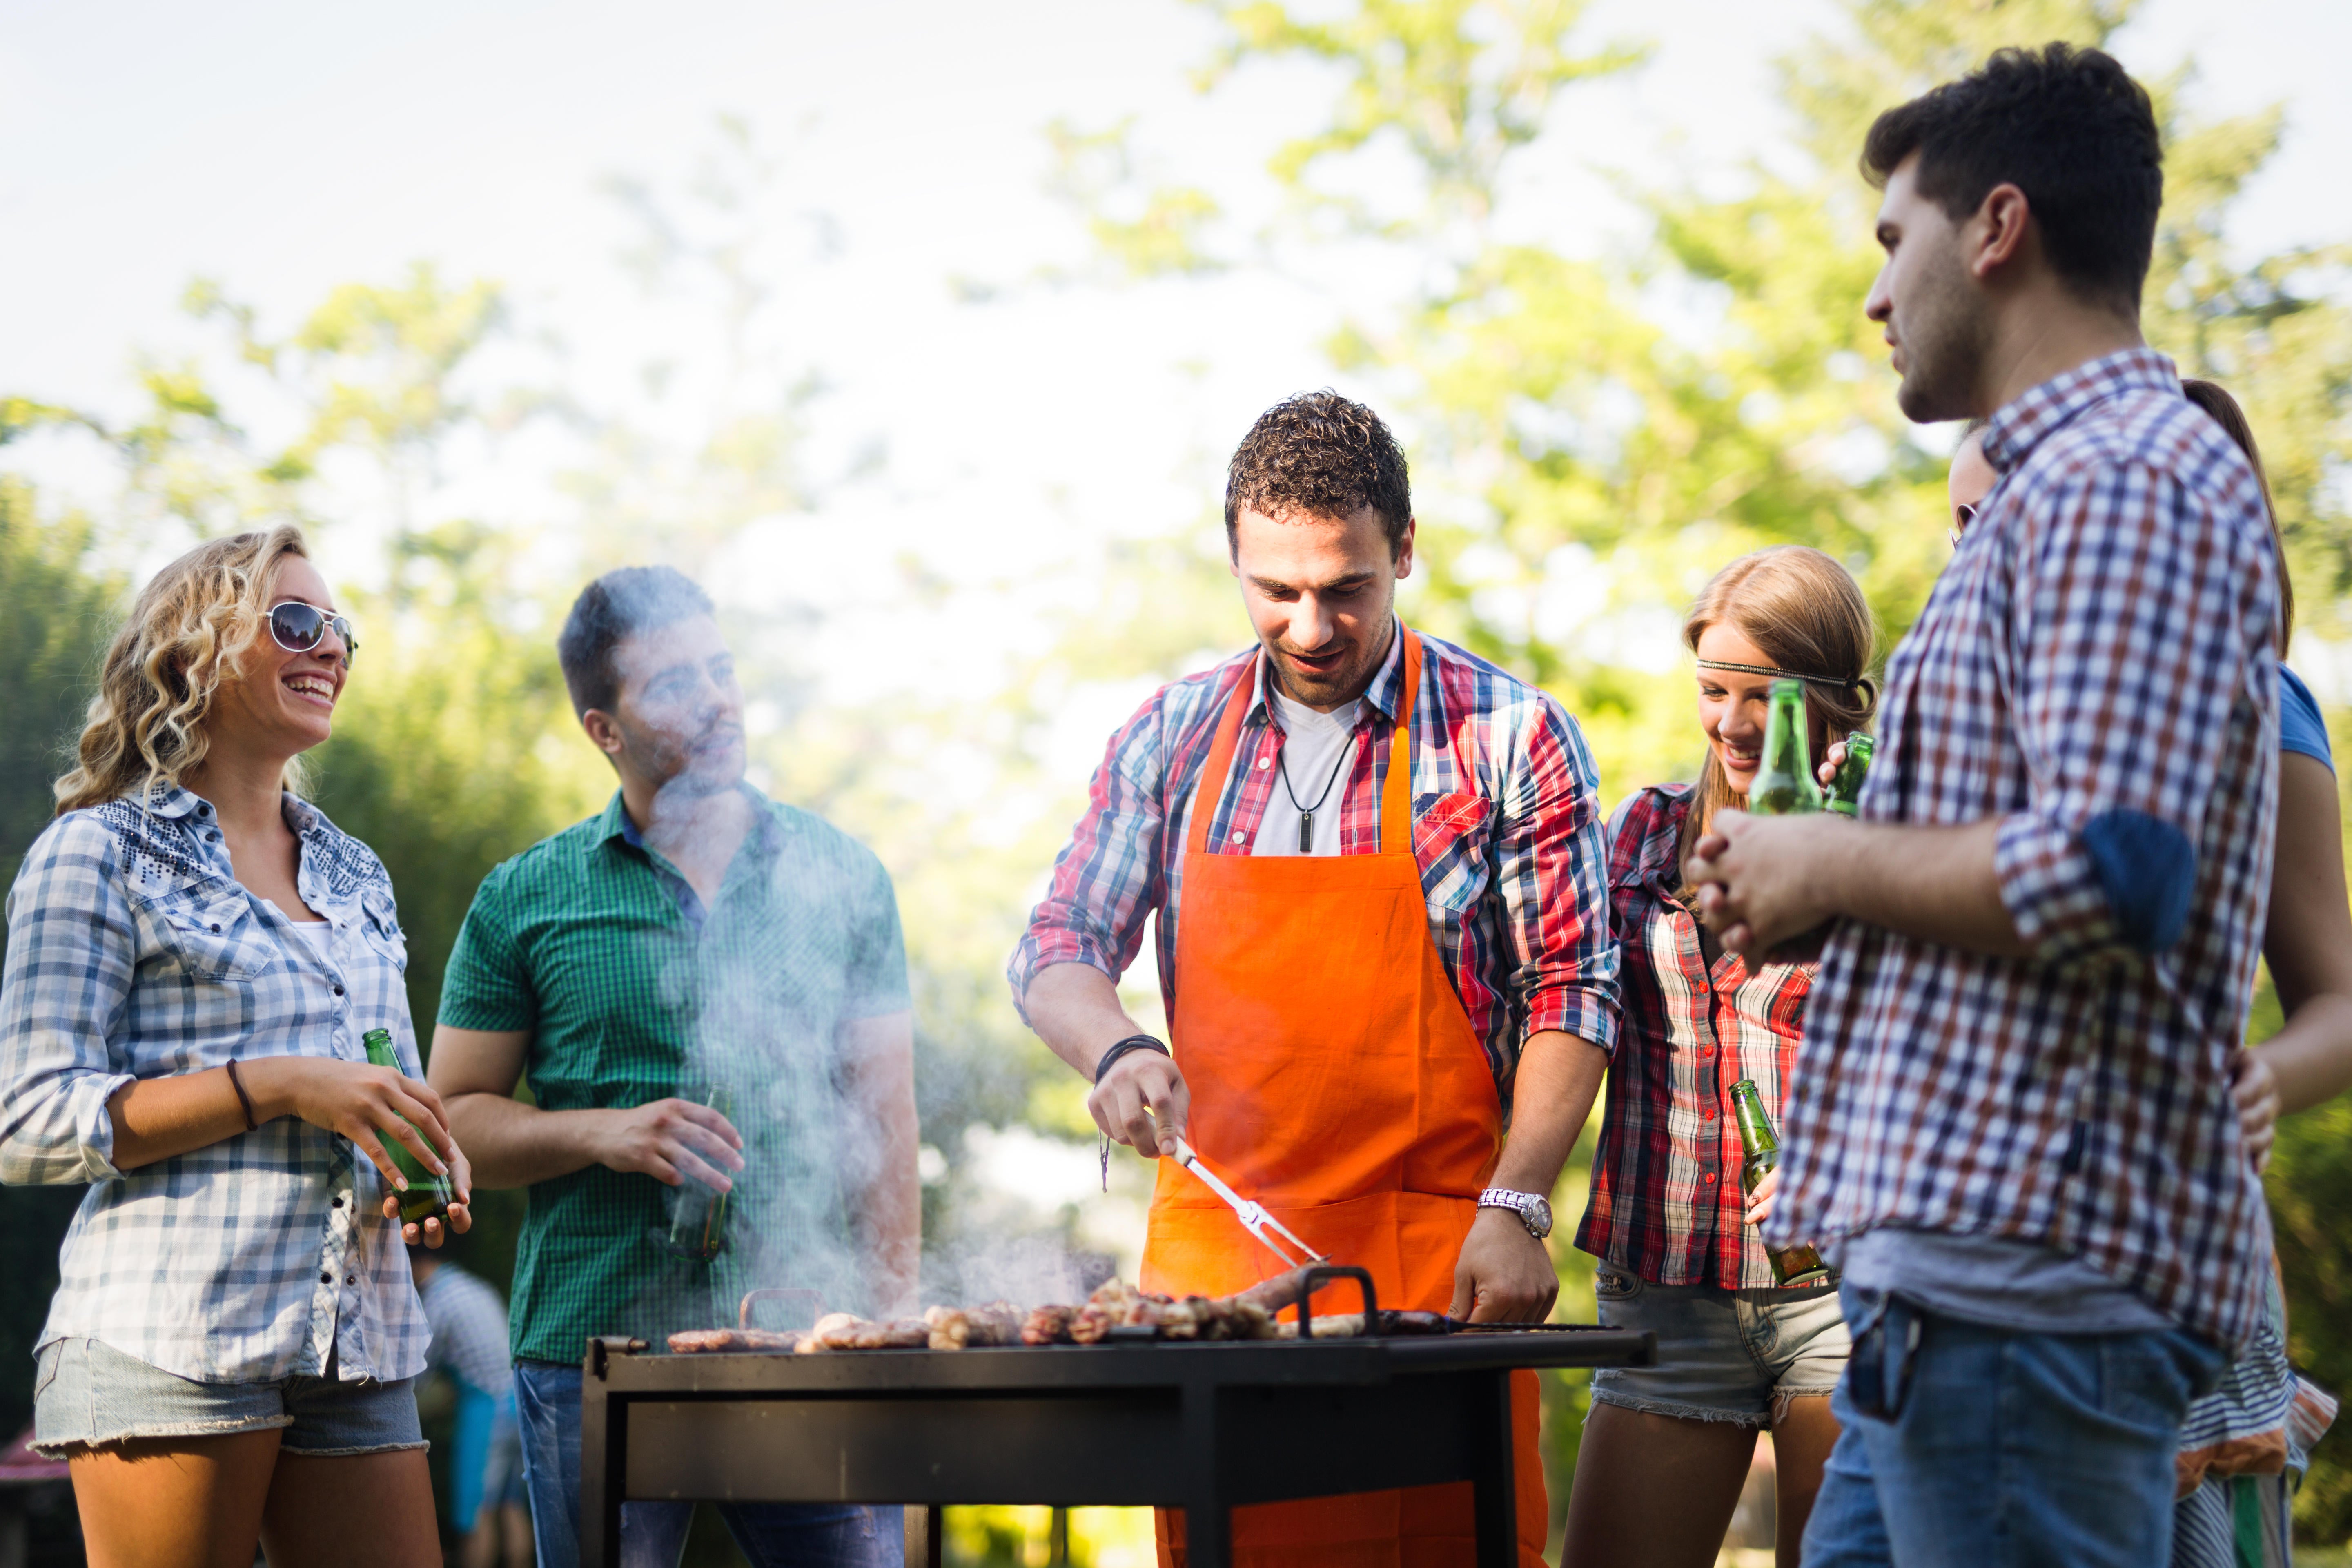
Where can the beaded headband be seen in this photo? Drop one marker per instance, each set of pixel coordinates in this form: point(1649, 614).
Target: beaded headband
point(1777, 674)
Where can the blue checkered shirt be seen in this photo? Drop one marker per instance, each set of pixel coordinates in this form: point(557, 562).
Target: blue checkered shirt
point(132, 954)
point(2101, 651)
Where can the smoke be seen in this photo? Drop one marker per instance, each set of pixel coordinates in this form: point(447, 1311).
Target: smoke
point(801, 941)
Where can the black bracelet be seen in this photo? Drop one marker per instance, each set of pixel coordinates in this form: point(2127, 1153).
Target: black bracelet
point(1132, 1042)
point(243, 1098)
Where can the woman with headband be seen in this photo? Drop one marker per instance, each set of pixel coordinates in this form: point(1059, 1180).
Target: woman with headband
point(1667, 1448)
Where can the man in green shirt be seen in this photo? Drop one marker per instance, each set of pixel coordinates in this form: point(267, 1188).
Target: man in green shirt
point(694, 936)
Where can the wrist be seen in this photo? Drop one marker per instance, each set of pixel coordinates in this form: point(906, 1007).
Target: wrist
point(269, 1084)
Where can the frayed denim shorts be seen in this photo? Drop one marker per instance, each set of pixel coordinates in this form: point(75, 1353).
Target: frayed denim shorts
point(87, 1395)
point(1723, 1355)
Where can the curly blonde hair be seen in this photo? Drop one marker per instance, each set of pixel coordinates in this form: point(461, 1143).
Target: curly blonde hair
point(188, 629)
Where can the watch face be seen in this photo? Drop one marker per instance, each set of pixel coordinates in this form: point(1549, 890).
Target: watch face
point(1538, 1210)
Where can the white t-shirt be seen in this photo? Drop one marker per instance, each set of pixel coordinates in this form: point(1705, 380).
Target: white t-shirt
point(1317, 749)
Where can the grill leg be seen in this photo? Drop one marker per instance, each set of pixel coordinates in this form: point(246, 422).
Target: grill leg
point(1495, 1490)
point(924, 1537)
point(603, 1440)
point(1208, 1519)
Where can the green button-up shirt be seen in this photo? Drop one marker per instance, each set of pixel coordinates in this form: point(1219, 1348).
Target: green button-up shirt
point(631, 991)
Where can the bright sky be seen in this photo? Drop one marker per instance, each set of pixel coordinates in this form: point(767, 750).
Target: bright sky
point(284, 148)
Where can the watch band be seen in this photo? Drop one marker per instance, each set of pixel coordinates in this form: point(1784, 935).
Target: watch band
point(1527, 1205)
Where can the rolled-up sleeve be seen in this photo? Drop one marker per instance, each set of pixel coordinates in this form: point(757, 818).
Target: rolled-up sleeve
point(1108, 881)
point(72, 951)
point(2127, 660)
point(1551, 862)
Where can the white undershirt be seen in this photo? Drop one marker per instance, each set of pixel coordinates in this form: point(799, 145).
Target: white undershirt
point(314, 933)
point(1314, 745)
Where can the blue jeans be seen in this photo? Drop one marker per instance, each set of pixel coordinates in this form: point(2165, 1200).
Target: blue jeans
point(1968, 1446)
point(772, 1534)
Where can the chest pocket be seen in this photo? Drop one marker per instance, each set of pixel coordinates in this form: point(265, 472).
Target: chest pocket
point(1449, 839)
point(211, 936)
point(379, 926)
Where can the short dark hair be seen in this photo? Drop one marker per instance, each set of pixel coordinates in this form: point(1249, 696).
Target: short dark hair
point(614, 609)
point(1319, 453)
point(2068, 128)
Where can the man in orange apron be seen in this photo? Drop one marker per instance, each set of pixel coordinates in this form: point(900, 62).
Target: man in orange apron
point(1383, 937)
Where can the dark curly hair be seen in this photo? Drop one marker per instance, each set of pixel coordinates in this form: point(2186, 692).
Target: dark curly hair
point(1319, 453)
point(610, 610)
point(2068, 128)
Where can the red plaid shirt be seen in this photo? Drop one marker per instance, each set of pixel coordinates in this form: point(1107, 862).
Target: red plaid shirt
point(1666, 1201)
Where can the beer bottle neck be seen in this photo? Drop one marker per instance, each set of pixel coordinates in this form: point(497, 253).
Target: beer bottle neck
point(1756, 1134)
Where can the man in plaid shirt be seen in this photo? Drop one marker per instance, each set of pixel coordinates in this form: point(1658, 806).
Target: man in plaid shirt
point(2012, 1118)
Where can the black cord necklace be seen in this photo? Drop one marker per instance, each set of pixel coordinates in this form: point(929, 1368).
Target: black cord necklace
point(1307, 812)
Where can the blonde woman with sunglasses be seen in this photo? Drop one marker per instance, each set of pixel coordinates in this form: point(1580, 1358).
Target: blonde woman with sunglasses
point(194, 955)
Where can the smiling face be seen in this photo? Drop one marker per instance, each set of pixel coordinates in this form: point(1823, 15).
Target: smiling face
point(1321, 593)
point(1733, 704)
point(1938, 321)
point(278, 702)
point(678, 716)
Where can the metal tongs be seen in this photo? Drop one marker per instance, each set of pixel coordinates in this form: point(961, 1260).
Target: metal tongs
point(1253, 1215)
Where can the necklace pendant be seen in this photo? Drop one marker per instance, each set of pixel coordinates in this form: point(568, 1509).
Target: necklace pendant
point(1307, 833)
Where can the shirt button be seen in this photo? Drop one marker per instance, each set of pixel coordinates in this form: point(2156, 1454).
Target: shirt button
point(339, 991)
point(326, 1279)
point(1708, 1178)
point(337, 1202)
point(1264, 763)
point(1241, 837)
point(353, 1279)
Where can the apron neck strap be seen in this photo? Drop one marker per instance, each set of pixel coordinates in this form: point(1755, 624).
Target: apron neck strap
point(1396, 794)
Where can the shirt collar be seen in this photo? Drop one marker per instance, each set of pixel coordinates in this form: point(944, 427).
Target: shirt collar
point(617, 822)
point(2026, 420)
point(1384, 693)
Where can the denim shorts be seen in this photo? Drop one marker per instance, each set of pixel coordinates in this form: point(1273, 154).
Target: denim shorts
point(1723, 1355)
point(86, 1393)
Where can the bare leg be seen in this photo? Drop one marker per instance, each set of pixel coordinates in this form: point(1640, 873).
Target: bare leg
point(351, 1510)
point(175, 1502)
point(516, 1522)
point(1654, 1492)
point(1801, 1441)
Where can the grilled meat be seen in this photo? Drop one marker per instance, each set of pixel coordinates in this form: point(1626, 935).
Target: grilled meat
point(1047, 1325)
point(724, 1342)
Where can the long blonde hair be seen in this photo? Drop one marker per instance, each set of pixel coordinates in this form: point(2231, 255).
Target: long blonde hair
point(1807, 615)
point(188, 629)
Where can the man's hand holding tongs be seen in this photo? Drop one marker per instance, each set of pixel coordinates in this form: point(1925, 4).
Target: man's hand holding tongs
point(1142, 1102)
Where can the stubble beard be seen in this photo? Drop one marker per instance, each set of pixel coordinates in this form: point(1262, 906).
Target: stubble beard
point(1945, 334)
point(1346, 684)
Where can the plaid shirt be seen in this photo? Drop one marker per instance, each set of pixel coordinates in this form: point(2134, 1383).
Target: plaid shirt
point(1666, 1201)
point(2101, 652)
point(133, 954)
point(1506, 828)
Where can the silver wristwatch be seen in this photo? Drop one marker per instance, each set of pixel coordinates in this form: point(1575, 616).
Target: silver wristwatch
point(1533, 1210)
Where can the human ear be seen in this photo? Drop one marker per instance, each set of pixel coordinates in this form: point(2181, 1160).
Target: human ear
point(1996, 234)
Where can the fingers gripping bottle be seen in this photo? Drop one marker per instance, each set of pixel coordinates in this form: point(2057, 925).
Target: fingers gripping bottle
point(1845, 789)
point(1799, 1264)
point(428, 1195)
point(697, 1226)
point(1784, 783)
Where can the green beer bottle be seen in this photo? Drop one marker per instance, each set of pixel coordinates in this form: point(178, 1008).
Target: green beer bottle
point(1799, 1264)
point(697, 1226)
point(1784, 783)
point(428, 1195)
point(1845, 789)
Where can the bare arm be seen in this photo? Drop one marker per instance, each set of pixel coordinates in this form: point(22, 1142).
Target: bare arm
point(515, 1145)
point(1504, 1274)
point(1075, 1009)
point(1768, 880)
point(2309, 949)
point(888, 1211)
point(158, 1118)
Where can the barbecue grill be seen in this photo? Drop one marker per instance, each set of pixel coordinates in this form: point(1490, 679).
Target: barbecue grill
point(1203, 1428)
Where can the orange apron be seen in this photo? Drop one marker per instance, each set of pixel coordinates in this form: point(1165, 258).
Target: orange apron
point(1336, 1079)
